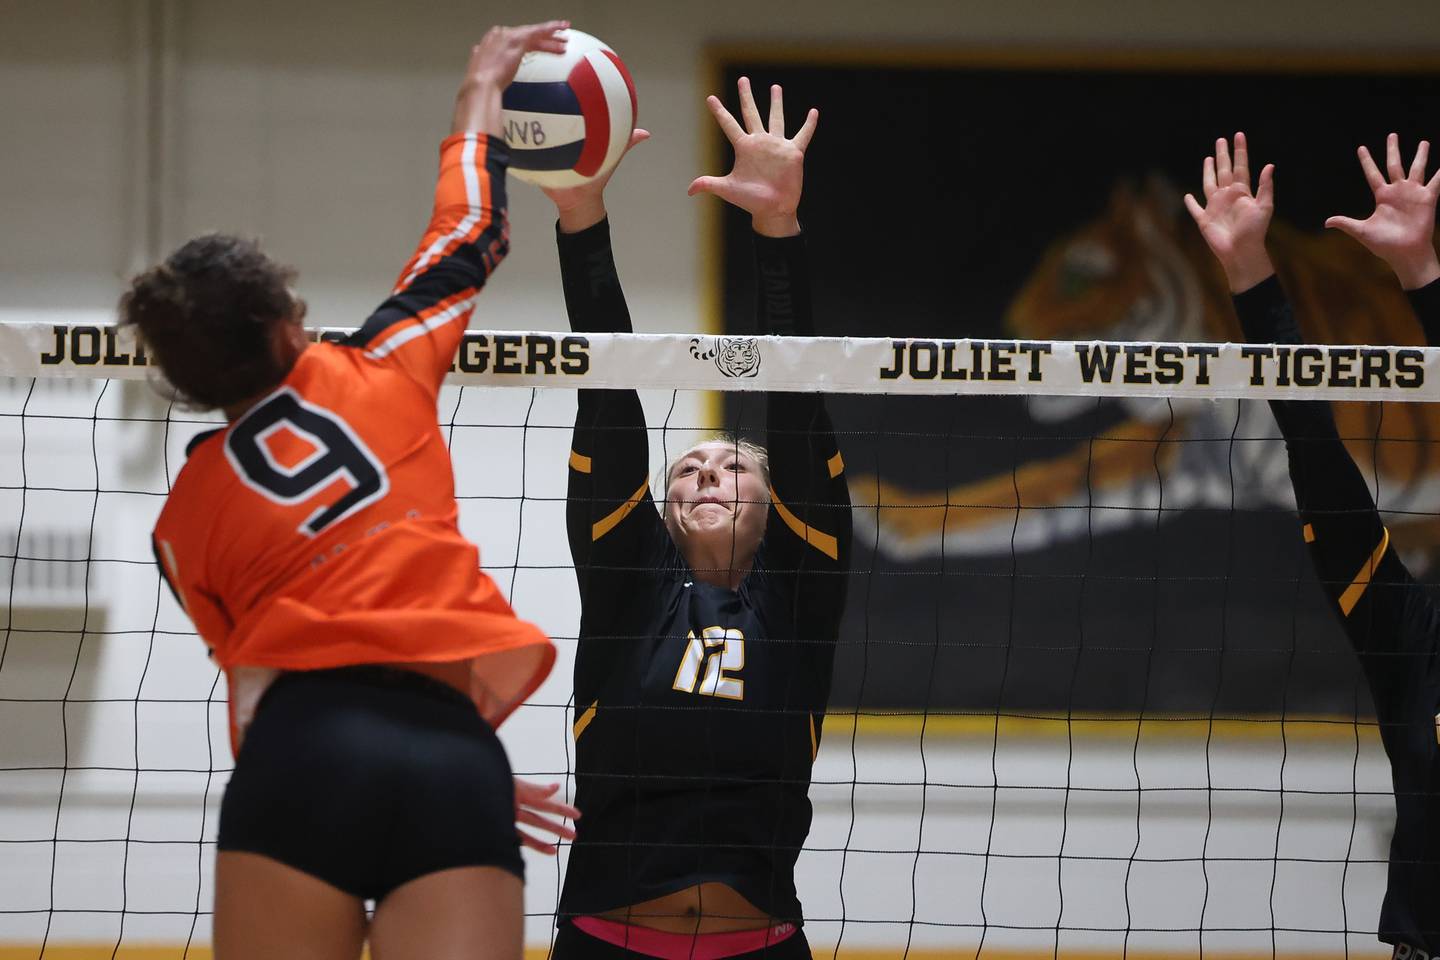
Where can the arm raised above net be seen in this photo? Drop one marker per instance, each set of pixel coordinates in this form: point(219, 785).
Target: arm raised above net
point(419, 326)
point(1387, 617)
point(610, 514)
point(809, 530)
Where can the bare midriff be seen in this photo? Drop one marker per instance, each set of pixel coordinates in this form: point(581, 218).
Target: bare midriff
point(703, 908)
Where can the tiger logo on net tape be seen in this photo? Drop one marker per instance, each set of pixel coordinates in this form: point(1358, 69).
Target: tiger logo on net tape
point(733, 356)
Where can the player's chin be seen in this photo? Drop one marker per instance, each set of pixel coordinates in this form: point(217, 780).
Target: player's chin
point(712, 521)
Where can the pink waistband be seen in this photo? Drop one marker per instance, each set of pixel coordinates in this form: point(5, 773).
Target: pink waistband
point(683, 946)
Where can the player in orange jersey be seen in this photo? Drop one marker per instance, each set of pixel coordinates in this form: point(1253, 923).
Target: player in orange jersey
point(313, 541)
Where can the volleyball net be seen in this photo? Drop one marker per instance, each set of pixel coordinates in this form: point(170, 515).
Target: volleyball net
point(1088, 698)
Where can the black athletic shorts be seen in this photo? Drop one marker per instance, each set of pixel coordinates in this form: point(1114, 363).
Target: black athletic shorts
point(572, 943)
point(369, 777)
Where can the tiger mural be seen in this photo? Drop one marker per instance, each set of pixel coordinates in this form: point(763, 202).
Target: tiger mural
point(1140, 271)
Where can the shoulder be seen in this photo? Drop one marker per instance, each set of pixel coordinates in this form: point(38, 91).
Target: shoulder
point(202, 483)
point(200, 438)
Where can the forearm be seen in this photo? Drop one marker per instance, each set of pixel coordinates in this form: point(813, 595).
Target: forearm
point(782, 286)
point(593, 296)
point(609, 452)
point(1425, 300)
point(478, 108)
point(610, 515)
point(1330, 492)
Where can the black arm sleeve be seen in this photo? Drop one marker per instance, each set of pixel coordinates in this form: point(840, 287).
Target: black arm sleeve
point(809, 530)
point(610, 515)
point(1387, 616)
point(1426, 303)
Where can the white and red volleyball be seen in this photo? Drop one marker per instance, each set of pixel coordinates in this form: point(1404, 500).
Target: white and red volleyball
point(569, 116)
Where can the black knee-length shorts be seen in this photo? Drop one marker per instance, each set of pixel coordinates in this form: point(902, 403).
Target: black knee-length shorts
point(370, 777)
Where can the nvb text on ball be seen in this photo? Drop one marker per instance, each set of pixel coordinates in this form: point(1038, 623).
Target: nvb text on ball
point(569, 116)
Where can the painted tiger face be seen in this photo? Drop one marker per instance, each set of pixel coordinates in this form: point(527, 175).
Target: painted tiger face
point(1129, 274)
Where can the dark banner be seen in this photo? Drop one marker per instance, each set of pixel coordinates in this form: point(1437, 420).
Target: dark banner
point(1054, 554)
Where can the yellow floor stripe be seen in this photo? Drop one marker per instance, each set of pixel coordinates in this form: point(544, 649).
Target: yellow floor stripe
point(1309, 532)
point(1356, 590)
point(1093, 727)
point(579, 462)
point(835, 465)
point(619, 513)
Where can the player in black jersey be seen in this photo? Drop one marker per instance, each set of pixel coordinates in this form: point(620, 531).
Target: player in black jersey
point(707, 633)
point(1392, 621)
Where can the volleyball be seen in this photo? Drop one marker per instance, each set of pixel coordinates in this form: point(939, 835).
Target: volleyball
point(569, 116)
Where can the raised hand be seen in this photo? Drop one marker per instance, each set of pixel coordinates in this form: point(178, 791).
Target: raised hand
point(584, 206)
point(1233, 221)
point(769, 171)
point(533, 799)
point(493, 62)
point(1401, 231)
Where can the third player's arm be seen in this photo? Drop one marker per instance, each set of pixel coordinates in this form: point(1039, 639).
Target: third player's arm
point(1384, 613)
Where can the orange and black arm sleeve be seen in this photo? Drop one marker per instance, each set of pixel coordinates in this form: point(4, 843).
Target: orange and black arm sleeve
point(1388, 618)
point(610, 515)
point(420, 324)
point(809, 530)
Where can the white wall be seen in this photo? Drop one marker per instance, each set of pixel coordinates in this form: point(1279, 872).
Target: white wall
point(315, 125)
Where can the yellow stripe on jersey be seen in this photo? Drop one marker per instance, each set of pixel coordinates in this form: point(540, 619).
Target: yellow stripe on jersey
point(619, 513)
point(579, 462)
point(585, 719)
point(836, 465)
point(1309, 533)
point(823, 542)
point(1356, 590)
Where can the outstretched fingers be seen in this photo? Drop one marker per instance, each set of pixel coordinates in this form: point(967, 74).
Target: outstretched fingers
point(1392, 158)
point(748, 111)
point(1422, 157)
point(1242, 161)
point(1197, 212)
point(543, 37)
point(1265, 193)
point(728, 124)
point(1224, 173)
point(807, 130)
point(1372, 172)
point(1348, 225)
point(1208, 185)
point(777, 111)
point(705, 185)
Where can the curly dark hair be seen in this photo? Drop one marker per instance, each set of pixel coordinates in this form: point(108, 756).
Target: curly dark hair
point(206, 315)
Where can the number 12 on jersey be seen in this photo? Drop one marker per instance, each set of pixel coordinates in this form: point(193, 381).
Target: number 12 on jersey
point(710, 659)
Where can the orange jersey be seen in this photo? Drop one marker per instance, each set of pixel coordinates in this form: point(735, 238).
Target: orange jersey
point(319, 529)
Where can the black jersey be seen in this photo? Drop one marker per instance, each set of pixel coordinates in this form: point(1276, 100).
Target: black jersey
point(698, 710)
point(1392, 621)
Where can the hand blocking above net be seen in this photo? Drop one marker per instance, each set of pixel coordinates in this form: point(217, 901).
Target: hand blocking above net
point(1392, 622)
